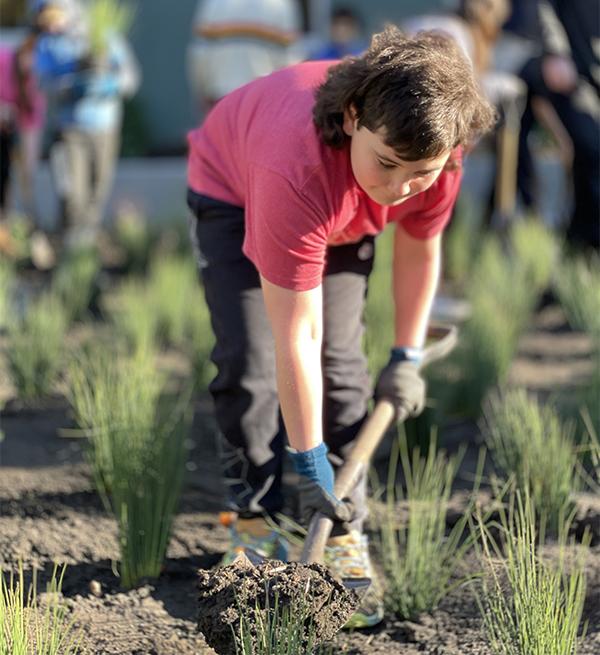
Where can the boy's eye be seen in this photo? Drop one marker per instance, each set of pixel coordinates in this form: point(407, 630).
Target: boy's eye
point(385, 165)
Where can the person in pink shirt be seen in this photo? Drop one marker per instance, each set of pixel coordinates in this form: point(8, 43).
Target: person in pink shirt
point(290, 178)
point(22, 115)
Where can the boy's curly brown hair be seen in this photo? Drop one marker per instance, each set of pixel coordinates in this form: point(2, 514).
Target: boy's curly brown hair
point(421, 90)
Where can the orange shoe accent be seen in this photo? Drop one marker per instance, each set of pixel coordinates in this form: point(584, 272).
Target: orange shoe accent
point(227, 518)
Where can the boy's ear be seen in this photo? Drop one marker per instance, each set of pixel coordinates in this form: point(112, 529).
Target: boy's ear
point(350, 120)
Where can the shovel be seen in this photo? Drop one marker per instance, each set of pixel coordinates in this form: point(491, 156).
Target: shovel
point(220, 589)
point(440, 341)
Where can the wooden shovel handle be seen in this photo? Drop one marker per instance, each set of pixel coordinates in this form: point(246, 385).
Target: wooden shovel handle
point(368, 439)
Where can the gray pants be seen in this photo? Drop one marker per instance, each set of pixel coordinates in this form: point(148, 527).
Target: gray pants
point(83, 164)
point(245, 390)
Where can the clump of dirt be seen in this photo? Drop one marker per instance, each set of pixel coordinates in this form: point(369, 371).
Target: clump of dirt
point(325, 603)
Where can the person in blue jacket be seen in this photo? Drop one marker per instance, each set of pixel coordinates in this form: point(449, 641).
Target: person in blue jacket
point(85, 92)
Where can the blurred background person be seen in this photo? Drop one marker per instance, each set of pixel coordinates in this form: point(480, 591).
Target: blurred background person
point(347, 36)
point(86, 88)
point(477, 27)
point(22, 115)
point(563, 94)
point(236, 41)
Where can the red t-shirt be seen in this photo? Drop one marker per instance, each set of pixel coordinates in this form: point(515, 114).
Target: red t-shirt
point(259, 149)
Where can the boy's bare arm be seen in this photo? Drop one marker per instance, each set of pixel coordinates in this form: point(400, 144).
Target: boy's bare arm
point(416, 273)
point(296, 319)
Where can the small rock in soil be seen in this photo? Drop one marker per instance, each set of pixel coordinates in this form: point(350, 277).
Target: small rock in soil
point(325, 602)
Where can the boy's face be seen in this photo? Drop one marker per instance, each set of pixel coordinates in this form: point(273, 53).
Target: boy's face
point(381, 174)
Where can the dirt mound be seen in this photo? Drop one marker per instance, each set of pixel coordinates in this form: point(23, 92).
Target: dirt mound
point(241, 586)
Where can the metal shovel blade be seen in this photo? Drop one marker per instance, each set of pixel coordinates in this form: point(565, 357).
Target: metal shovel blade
point(358, 585)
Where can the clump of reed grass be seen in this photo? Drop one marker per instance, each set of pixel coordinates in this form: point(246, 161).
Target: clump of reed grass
point(173, 292)
point(502, 290)
point(276, 629)
point(528, 603)
point(36, 347)
point(137, 444)
point(7, 281)
point(28, 627)
point(531, 442)
point(535, 249)
point(501, 303)
point(379, 311)
point(133, 314)
point(419, 559)
point(106, 17)
point(460, 241)
point(148, 471)
point(110, 394)
point(201, 343)
point(577, 282)
point(74, 280)
point(133, 235)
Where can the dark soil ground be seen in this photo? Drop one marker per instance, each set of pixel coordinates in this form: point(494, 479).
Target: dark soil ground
point(49, 512)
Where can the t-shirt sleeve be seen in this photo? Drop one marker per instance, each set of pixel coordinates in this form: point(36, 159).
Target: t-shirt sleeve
point(286, 235)
point(432, 214)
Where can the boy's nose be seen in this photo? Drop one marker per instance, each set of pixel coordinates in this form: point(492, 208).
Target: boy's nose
point(400, 188)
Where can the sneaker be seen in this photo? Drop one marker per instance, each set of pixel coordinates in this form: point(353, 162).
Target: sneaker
point(257, 540)
point(347, 556)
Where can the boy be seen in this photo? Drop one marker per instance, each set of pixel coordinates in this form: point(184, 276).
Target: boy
point(290, 178)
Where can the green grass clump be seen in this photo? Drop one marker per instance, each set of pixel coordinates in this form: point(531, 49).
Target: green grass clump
point(173, 292)
point(7, 281)
point(148, 473)
point(577, 283)
point(133, 315)
point(107, 17)
point(379, 311)
point(137, 452)
point(502, 290)
point(420, 561)
point(25, 626)
point(36, 348)
point(460, 241)
point(275, 629)
point(133, 235)
point(201, 343)
point(529, 441)
point(535, 249)
point(529, 604)
point(111, 394)
point(74, 280)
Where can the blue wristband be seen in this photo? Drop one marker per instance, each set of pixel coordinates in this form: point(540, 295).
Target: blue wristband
point(314, 465)
point(406, 354)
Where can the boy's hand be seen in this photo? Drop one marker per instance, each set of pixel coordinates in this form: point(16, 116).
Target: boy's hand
point(316, 487)
point(401, 383)
point(314, 498)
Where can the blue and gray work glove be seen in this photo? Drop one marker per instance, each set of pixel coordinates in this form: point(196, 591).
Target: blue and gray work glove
point(401, 383)
point(317, 485)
